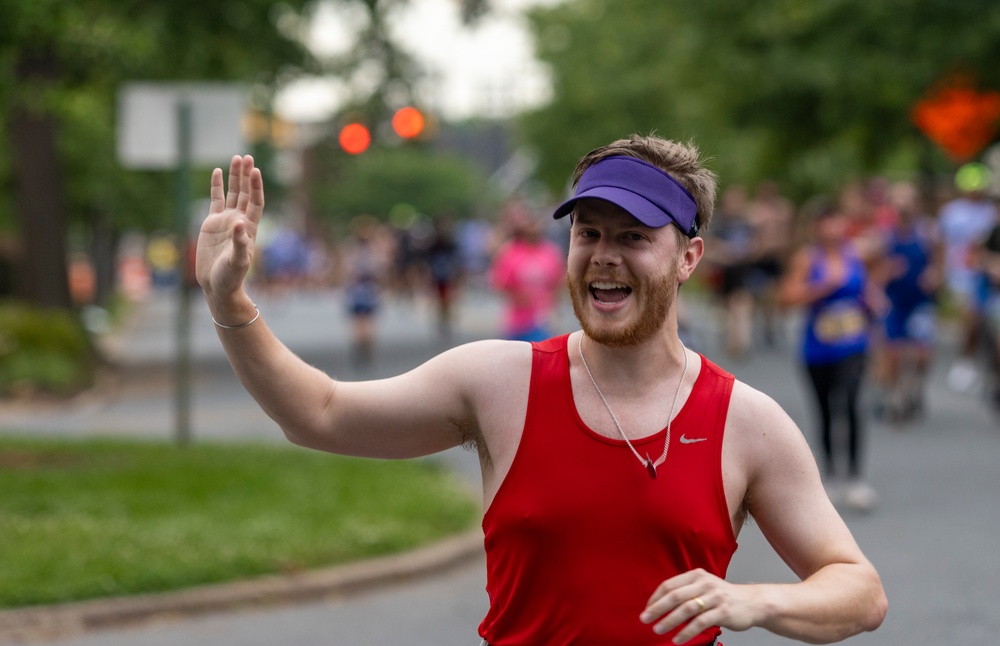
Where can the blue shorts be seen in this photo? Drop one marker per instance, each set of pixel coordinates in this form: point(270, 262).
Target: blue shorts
point(913, 322)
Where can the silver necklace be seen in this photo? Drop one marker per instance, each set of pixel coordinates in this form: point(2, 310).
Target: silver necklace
point(647, 461)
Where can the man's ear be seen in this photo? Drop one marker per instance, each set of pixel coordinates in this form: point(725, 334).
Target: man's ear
point(691, 252)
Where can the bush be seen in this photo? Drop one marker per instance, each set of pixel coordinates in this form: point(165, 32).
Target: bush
point(43, 351)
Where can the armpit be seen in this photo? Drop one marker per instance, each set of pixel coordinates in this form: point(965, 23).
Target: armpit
point(472, 439)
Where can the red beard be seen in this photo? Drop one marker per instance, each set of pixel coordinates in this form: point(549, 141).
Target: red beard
point(655, 299)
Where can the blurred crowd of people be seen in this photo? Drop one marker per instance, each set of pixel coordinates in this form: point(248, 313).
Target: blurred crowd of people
point(519, 254)
point(923, 259)
point(873, 270)
point(427, 259)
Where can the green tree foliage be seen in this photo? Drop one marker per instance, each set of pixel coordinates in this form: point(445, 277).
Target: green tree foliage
point(809, 92)
point(382, 179)
point(374, 53)
point(392, 173)
point(61, 64)
point(610, 79)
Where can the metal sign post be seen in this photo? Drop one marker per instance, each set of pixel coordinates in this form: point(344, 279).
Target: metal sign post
point(182, 378)
point(170, 126)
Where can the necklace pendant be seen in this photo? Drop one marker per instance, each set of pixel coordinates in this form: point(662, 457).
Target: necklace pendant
point(650, 467)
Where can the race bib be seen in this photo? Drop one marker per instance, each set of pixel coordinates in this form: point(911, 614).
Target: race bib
point(841, 323)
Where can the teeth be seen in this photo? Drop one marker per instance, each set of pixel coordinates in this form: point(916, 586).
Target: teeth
point(608, 286)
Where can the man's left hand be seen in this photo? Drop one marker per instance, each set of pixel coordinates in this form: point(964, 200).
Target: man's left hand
point(700, 600)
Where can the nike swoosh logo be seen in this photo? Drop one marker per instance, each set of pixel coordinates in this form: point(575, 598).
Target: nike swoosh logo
point(692, 440)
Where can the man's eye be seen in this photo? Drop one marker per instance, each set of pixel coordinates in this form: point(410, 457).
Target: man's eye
point(633, 237)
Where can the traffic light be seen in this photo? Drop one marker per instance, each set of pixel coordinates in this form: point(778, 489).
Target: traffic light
point(355, 138)
point(408, 122)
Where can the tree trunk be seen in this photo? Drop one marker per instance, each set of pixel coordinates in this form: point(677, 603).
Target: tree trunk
point(103, 250)
point(39, 197)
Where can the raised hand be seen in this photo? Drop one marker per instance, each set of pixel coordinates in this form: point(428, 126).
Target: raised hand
point(227, 237)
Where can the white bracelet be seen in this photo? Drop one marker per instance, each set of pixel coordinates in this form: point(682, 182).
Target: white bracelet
point(239, 327)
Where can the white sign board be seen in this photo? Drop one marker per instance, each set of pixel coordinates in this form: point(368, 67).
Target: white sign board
point(149, 129)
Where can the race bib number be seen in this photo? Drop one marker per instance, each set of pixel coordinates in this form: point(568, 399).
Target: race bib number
point(841, 323)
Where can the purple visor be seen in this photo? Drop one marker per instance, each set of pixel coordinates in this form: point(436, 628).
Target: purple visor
point(650, 195)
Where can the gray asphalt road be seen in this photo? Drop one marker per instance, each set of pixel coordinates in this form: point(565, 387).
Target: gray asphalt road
point(932, 536)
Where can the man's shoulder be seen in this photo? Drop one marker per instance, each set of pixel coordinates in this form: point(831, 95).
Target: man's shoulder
point(751, 408)
point(760, 432)
point(488, 363)
point(487, 351)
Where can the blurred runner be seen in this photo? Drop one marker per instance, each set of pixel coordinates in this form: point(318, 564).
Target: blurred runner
point(475, 244)
point(771, 215)
point(965, 222)
point(732, 250)
point(989, 261)
point(912, 274)
point(829, 277)
point(529, 270)
point(285, 258)
point(365, 268)
point(444, 264)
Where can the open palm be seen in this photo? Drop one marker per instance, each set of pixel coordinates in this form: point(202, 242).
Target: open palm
point(226, 240)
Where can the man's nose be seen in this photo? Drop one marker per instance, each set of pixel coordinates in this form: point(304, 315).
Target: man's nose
point(606, 253)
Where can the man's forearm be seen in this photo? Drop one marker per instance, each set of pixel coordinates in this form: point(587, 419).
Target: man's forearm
point(838, 601)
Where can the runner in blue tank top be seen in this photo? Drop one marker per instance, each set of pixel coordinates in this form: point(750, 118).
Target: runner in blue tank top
point(912, 273)
point(830, 279)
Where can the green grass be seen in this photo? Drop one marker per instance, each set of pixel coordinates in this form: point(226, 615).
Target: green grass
point(91, 518)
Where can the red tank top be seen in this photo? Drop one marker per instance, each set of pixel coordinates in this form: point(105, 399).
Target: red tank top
point(579, 536)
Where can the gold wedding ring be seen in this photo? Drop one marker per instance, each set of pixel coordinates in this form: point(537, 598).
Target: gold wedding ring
point(701, 604)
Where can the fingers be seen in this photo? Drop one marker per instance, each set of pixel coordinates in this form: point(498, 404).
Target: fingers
point(218, 199)
point(246, 189)
point(234, 181)
point(694, 616)
point(246, 171)
point(255, 209)
point(673, 610)
point(685, 600)
point(675, 583)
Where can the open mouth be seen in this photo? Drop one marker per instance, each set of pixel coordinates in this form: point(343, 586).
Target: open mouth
point(609, 292)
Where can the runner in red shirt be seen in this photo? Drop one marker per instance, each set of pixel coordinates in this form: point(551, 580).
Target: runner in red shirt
point(610, 457)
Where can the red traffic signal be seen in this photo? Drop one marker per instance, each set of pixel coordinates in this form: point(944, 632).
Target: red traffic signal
point(355, 138)
point(408, 122)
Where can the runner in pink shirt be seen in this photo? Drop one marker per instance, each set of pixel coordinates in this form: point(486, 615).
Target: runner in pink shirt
point(530, 271)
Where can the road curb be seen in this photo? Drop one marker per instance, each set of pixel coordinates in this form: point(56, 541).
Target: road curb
point(26, 625)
